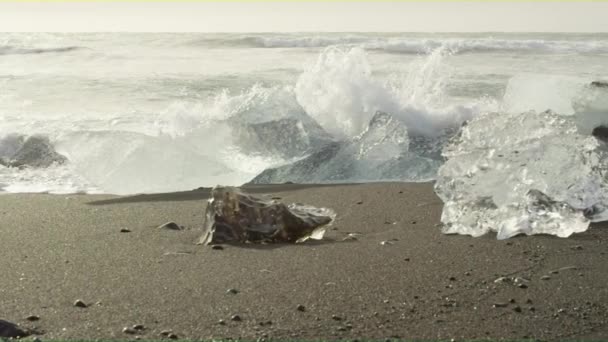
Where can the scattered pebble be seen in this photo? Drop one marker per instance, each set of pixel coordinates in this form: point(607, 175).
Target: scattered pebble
point(32, 318)
point(577, 247)
point(172, 336)
point(511, 300)
point(517, 309)
point(232, 291)
point(522, 286)
point(452, 278)
point(125, 230)
point(532, 309)
point(301, 308)
point(236, 318)
point(129, 331)
point(80, 304)
point(217, 247)
point(336, 317)
point(138, 327)
point(545, 277)
point(500, 305)
point(166, 332)
point(171, 226)
point(360, 202)
point(221, 322)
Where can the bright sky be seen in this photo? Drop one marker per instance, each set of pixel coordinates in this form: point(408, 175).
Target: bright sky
point(305, 16)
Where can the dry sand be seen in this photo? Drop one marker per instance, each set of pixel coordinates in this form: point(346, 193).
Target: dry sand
point(56, 249)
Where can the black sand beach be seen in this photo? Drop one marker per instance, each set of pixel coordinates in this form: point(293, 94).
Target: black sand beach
point(399, 278)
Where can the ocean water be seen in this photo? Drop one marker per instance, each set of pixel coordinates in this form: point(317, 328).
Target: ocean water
point(140, 113)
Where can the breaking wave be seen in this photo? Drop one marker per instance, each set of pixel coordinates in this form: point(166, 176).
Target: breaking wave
point(14, 50)
point(414, 45)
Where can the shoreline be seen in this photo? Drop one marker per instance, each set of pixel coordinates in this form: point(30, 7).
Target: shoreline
point(420, 284)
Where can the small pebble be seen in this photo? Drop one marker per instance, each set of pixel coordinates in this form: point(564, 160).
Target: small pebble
point(232, 291)
point(217, 247)
point(452, 278)
point(577, 247)
point(80, 304)
point(511, 300)
point(500, 305)
point(129, 331)
point(172, 336)
point(545, 277)
point(138, 327)
point(522, 286)
point(32, 318)
point(517, 309)
point(125, 230)
point(360, 202)
point(221, 322)
point(236, 318)
point(166, 332)
point(336, 317)
point(170, 226)
point(301, 308)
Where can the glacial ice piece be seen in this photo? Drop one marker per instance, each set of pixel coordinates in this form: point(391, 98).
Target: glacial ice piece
point(380, 152)
point(527, 173)
point(234, 216)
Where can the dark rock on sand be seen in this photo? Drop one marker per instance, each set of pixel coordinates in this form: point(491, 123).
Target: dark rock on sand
point(80, 304)
point(599, 84)
point(33, 318)
point(11, 330)
point(234, 216)
point(34, 151)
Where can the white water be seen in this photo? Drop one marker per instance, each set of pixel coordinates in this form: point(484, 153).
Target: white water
point(146, 113)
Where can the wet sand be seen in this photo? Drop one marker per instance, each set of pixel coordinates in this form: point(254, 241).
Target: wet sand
point(56, 249)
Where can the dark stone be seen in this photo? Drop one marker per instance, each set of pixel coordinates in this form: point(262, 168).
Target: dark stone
point(217, 247)
point(232, 291)
point(80, 304)
point(500, 305)
point(138, 327)
point(517, 309)
point(236, 318)
point(234, 216)
point(336, 318)
point(165, 332)
point(173, 336)
point(11, 330)
point(33, 318)
point(125, 230)
point(301, 308)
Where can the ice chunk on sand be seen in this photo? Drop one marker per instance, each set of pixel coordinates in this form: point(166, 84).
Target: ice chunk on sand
point(234, 216)
point(527, 173)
